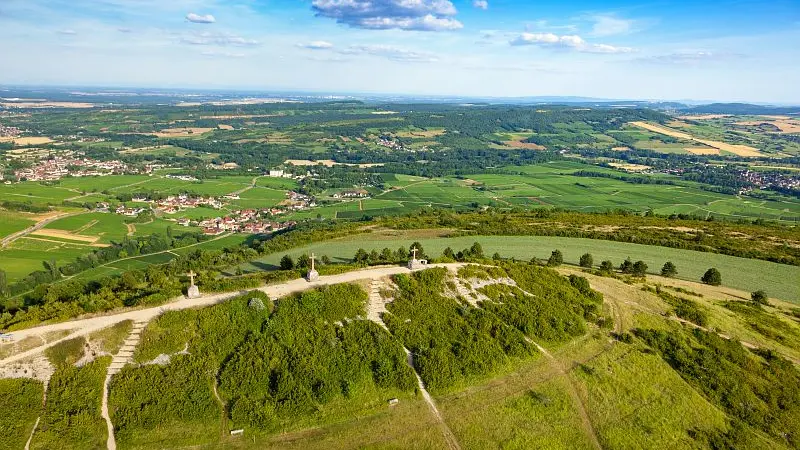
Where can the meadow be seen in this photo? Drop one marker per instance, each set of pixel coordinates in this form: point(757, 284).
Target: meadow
point(779, 280)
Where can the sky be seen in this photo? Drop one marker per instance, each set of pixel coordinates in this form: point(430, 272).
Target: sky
point(667, 50)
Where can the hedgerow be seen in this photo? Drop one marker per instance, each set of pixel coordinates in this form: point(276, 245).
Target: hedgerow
point(22, 402)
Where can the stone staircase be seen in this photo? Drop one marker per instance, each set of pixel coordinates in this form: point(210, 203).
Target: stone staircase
point(125, 353)
point(377, 304)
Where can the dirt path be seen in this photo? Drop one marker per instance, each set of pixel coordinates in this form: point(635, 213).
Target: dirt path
point(247, 188)
point(223, 407)
point(449, 437)
point(131, 229)
point(37, 226)
point(573, 392)
point(84, 327)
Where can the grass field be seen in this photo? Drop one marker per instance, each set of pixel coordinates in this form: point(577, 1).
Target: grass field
point(11, 222)
point(778, 280)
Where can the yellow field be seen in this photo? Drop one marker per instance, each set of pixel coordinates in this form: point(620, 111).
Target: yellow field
point(785, 124)
point(736, 149)
point(64, 234)
point(702, 151)
point(630, 167)
point(704, 117)
point(420, 134)
point(525, 145)
point(27, 140)
point(225, 127)
point(181, 132)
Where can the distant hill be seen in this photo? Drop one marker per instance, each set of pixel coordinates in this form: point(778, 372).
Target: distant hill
point(742, 108)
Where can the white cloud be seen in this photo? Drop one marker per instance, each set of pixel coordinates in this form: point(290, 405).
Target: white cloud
point(219, 39)
point(125, 30)
point(67, 32)
point(480, 4)
point(689, 58)
point(223, 54)
point(317, 45)
point(605, 25)
point(389, 52)
point(567, 42)
point(420, 15)
point(200, 18)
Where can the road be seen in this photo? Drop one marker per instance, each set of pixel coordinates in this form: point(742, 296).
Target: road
point(84, 327)
point(37, 226)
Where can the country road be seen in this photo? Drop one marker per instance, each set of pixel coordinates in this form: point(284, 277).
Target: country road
point(37, 226)
point(83, 327)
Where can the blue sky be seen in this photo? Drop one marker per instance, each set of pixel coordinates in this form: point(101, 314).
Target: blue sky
point(712, 50)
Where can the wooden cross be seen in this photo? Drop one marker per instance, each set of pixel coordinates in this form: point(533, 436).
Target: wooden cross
point(312, 261)
point(191, 275)
point(414, 253)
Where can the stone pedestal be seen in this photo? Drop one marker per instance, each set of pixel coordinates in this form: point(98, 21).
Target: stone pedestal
point(193, 292)
point(416, 264)
point(312, 275)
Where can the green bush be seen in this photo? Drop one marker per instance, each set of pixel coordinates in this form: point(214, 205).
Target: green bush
point(759, 389)
point(71, 416)
point(586, 260)
point(712, 277)
point(22, 402)
point(451, 342)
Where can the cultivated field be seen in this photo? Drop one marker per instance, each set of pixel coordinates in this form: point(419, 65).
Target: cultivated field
point(736, 149)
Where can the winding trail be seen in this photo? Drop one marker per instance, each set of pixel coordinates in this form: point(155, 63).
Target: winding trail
point(449, 437)
point(588, 428)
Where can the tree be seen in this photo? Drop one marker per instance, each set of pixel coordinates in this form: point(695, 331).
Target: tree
point(639, 269)
point(361, 256)
point(607, 266)
point(387, 255)
point(669, 270)
point(287, 263)
point(448, 253)
point(325, 259)
point(497, 256)
point(712, 277)
point(476, 251)
point(303, 261)
point(556, 258)
point(401, 253)
point(626, 266)
point(52, 268)
point(586, 260)
point(759, 297)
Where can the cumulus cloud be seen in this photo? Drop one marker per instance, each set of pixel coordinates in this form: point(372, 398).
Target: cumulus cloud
point(389, 52)
point(420, 15)
point(610, 26)
point(317, 45)
point(218, 39)
point(480, 4)
point(200, 18)
point(566, 42)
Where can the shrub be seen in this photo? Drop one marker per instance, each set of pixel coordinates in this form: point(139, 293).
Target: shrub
point(556, 258)
point(759, 297)
point(287, 263)
point(639, 269)
point(712, 277)
point(669, 270)
point(607, 266)
point(586, 260)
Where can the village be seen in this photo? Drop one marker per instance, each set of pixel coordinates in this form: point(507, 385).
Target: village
point(57, 167)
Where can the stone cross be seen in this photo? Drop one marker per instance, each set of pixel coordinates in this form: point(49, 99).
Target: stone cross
point(191, 275)
point(312, 261)
point(414, 252)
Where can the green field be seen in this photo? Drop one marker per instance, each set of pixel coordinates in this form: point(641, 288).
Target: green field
point(779, 280)
point(11, 222)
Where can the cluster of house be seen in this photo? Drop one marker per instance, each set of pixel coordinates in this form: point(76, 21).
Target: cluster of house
point(9, 131)
point(77, 166)
point(296, 201)
point(223, 166)
point(770, 180)
point(244, 221)
point(182, 177)
point(354, 193)
point(175, 203)
point(386, 141)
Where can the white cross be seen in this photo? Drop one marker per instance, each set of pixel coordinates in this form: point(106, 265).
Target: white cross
point(312, 261)
point(191, 276)
point(414, 252)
